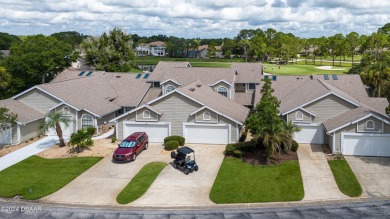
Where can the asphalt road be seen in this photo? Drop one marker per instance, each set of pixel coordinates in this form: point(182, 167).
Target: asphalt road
point(367, 209)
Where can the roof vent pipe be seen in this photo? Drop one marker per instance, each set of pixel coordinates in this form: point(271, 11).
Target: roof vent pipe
point(192, 89)
point(198, 85)
point(236, 72)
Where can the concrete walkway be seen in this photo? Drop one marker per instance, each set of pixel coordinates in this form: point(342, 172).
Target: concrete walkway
point(318, 180)
point(27, 151)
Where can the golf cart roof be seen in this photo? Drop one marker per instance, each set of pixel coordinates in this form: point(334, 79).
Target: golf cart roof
point(185, 150)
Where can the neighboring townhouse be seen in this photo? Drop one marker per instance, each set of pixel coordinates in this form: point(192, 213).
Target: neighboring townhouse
point(194, 111)
point(26, 126)
point(334, 110)
point(88, 99)
point(156, 48)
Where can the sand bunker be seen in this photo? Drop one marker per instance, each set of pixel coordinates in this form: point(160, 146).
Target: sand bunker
point(329, 68)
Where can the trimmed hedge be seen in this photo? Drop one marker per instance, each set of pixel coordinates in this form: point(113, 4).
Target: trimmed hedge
point(177, 138)
point(171, 145)
point(237, 153)
point(243, 147)
point(294, 146)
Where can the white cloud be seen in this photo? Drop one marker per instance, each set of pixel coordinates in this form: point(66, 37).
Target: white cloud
point(193, 18)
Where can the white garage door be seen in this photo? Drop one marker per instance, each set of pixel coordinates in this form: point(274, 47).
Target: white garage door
point(310, 134)
point(6, 136)
point(365, 144)
point(66, 131)
point(206, 134)
point(156, 131)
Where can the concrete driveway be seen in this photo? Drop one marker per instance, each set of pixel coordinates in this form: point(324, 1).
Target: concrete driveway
point(101, 184)
point(317, 177)
point(373, 174)
point(173, 188)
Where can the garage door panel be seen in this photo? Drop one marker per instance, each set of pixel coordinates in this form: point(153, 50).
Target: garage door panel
point(156, 132)
point(66, 130)
point(203, 134)
point(366, 145)
point(310, 135)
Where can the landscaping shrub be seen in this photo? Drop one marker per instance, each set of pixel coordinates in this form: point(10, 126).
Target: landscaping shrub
point(237, 153)
point(171, 145)
point(260, 143)
point(177, 138)
point(243, 136)
point(113, 139)
point(229, 149)
point(294, 146)
point(80, 139)
point(91, 131)
point(246, 146)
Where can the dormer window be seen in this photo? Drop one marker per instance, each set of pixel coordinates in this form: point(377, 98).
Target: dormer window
point(370, 125)
point(206, 116)
point(222, 91)
point(146, 114)
point(298, 115)
point(169, 88)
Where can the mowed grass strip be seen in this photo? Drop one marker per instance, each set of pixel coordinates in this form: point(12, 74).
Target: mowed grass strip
point(140, 183)
point(294, 69)
point(240, 182)
point(36, 177)
point(345, 178)
point(211, 64)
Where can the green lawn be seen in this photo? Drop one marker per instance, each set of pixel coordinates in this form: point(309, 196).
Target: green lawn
point(151, 60)
point(140, 183)
point(345, 178)
point(294, 69)
point(36, 177)
point(240, 182)
point(211, 64)
point(135, 70)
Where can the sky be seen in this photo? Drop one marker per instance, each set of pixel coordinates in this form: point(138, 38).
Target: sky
point(193, 18)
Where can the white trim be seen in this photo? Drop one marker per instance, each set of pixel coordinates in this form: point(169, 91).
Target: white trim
point(166, 89)
point(301, 116)
point(318, 98)
point(211, 125)
point(146, 119)
point(161, 83)
point(221, 81)
point(77, 120)
point(373, 125)
point(63, 103)
point(41, 89)
point(334, 143)
point(94, 122)
point(307, 111)
point(308, 124)
point(358, 120)
point(135, 110)
point(145, 123)
point(342, 134)
point(238, 133)
point(117, 130)
point(144, 114)
point(204, 114)
point(206, 107)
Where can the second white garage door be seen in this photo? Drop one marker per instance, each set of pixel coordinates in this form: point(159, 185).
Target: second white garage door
point(365, 144)
point(310, 134)
point(156, 131)
point(206, 134)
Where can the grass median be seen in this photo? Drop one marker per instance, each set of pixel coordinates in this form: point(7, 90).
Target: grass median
point(240, 182)
point(36, 177)
point(140, 183)
point(345, 178)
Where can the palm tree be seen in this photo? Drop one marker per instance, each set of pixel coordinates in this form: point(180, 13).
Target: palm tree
point(54, 119)
point(274, 136)
point(289, 129)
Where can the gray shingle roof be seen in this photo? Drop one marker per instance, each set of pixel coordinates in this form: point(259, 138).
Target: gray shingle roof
point(69, 74)
point(212, 99)
point(245, 99)
point(349, 117)
point(25, 113)
point(163, 67)
point(248, 72)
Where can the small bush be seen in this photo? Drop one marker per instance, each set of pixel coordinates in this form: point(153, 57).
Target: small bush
point(177, 138)
point(243, 137)
point(229, 149)
point(113, 139)
point(91, 131)
point(237, 153)
point(260, 143)
point(171, 145)
point(246, 146)
point(294, 146)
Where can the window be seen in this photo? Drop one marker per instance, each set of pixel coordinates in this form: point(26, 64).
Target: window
point(169, 88)
point(156, 84)
point(206, 116)
point(298, 115)
point(370, 124)
point(223, 91)
point(251, 86)
point(65, 110)
point(146, 114)
point(86, 121)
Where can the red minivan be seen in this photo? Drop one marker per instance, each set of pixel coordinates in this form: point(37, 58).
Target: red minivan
point(133, 145)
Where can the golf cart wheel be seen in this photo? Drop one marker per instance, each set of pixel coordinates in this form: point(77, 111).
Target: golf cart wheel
point(134, 156)
point(186, 171)
point(146, 146)
point(174, 165)
point(196, 168)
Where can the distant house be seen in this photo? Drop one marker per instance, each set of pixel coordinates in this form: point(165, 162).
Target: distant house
point(156, 48)
point(4, 53)
point(203, 52)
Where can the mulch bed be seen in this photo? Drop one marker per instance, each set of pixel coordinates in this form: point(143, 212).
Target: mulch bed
point(259, 157)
